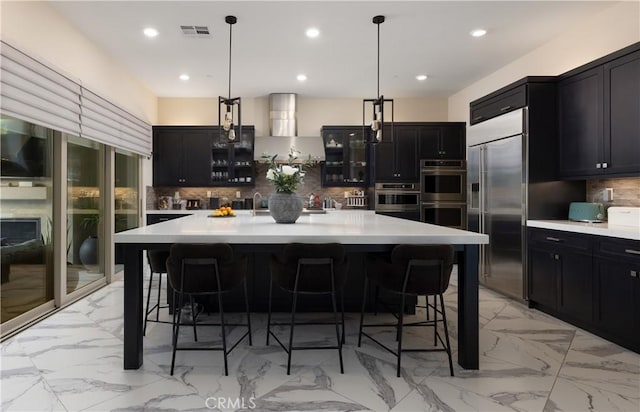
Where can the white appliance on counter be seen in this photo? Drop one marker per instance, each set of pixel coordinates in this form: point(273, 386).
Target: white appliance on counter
point(624, 216)
point(505, 189)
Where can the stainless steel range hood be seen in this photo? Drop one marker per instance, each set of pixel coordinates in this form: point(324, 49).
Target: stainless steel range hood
point(283, 132)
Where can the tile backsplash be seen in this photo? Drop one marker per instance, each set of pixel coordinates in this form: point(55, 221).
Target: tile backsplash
point(312, 183)
point(626, 191)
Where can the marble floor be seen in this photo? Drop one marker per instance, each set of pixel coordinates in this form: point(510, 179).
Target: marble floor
point(72, 361)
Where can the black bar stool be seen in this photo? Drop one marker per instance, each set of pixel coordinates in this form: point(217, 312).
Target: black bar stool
point(201, 270)
point(304, 268)
point(418, 270)
point(158, 264)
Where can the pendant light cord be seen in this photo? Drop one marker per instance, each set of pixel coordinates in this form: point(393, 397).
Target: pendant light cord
point(230, 34)
point(378, 95)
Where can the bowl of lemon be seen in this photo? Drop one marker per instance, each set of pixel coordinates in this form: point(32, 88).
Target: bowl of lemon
point(224, 211)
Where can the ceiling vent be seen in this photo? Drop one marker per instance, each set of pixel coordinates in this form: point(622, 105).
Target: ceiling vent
point(195, 31)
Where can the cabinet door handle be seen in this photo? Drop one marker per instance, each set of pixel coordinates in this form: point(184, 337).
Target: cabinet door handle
point(553, 239)
point(631, 251)
point(478, 117)
point(598, 166)
point(605, 165)
point(502, 109)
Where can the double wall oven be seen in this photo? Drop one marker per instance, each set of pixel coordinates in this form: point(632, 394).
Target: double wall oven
point(443, 192)
point(398, 200)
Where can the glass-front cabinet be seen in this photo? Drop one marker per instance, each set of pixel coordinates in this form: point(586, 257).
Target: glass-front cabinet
point(346, 156)
point(232, 162)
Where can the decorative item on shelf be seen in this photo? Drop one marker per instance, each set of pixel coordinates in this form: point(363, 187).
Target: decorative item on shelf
point(227, 123)
point(356, 198)
point(285, 206)
point(88, 251)
point(377, 121)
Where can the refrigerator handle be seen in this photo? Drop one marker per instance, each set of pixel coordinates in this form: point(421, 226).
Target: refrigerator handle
point(482, 208)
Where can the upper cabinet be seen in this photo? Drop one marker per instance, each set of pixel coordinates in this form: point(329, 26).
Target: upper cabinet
point(442, 141)
point(188, 156)
point(500, 102)
point(599, 117)
point(181, 155)
point(397, 157)
point(346, 156)
point(232, 163)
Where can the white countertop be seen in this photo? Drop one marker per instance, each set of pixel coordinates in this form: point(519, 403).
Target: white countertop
point(600, 229)
point(177, 212)
point(347, 227)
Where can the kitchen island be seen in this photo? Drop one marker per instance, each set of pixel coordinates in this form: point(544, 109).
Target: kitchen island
point(358, 231)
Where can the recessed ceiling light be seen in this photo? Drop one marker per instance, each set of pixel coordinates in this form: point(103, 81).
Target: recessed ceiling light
point(421, 77)
point(150, 32)
point(478, 32)
point(184, 77)
point(313, 32)
point(301, 77)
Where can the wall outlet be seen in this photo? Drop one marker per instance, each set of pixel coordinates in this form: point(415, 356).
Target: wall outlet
point(607, 194)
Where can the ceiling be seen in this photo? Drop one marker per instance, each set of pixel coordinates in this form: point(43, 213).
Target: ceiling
point(270, 47)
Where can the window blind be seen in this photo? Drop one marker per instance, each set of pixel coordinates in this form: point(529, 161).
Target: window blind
point(105, 122)
point(31, 91)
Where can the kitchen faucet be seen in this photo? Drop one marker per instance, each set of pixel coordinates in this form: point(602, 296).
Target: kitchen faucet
point(254, 201)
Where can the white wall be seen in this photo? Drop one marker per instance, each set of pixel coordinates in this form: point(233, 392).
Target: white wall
point(37, 29)
point(312, 113)
point(610, 30)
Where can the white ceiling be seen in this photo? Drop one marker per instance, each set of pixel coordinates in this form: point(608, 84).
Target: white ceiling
point(270, 47)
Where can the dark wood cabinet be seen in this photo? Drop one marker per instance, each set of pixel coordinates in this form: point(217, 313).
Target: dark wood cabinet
point(181, 156)
point(560, 272)
point(580, 99)
point(346, 156)
point(442, 141)
point(396, 157)
point(501, 102)
point(232, 163)
point(592, 281)
point(622, 115)
point(188, 156)
point(543, 276)
point(599, 117)
point(153, 218)
point(617, 285)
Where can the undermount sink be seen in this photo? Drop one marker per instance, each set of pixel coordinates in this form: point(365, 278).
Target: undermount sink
point(305, 211)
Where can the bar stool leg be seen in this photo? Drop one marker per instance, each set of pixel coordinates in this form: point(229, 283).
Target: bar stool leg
point(342, 310)
point(224, 336)
point(193, 318)
point(269, 310)
point(146, 311)
point(293, 319)
point(159, 293)
point(400, 320)
point(335, 315)
point(246, 305)
point(446, 333)
point(435, 321)
point(364, 302)
point(176, 328)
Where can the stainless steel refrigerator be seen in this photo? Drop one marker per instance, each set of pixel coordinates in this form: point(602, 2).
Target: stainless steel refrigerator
point(504, 191)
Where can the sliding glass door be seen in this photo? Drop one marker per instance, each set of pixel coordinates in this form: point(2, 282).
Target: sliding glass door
point(85, 217)
point(126, 197)
point(26, 218)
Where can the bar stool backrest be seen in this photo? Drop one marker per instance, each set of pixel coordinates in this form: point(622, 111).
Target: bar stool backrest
point(426, 269)
point(204, 268)
point(158, 260)
point(313, 263)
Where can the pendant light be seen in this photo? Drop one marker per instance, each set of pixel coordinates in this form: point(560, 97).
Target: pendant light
point(227, 122)
point(377, 119)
